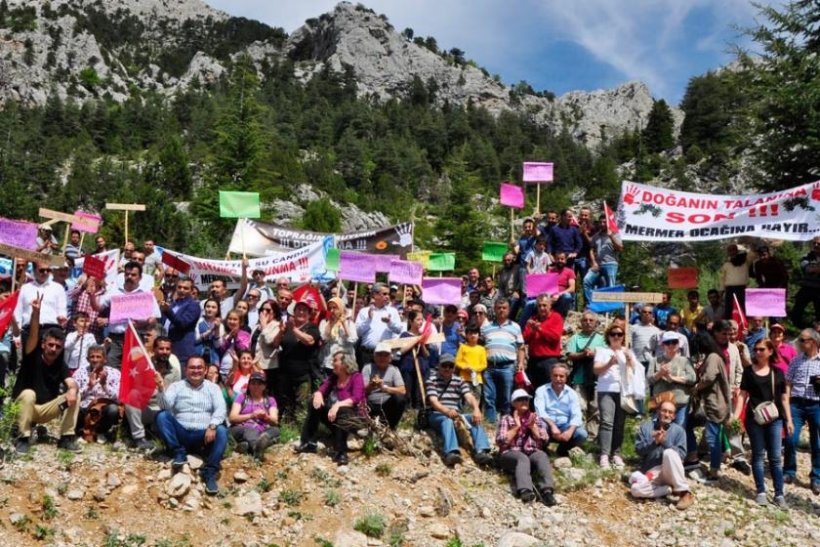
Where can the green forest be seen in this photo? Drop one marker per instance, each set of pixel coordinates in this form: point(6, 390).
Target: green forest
point(259, 129)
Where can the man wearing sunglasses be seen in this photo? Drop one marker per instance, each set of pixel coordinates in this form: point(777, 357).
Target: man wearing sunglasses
point(53, 311)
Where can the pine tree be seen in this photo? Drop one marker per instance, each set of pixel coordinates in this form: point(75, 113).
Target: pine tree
point(658, 134)
point(321, 216)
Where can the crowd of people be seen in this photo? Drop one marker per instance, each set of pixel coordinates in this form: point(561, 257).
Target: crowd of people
point(232, 362)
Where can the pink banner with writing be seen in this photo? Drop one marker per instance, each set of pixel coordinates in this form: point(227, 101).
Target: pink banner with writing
point(359, 267)
point(536, 171)
point(766, 302)
point(404, 271)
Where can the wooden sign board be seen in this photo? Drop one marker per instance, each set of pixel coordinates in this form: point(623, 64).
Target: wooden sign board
point(125, 206)
point(57, 216)
point(25, 254)
point(647, 297)
point(397, 343)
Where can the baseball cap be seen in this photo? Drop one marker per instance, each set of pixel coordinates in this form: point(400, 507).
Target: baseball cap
point(669, 337)
point(382, 347)
point(520, 394)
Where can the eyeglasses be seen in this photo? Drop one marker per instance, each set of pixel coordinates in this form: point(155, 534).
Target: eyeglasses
point(616, 334)
point(43, 270)
point(804, 340)
point(670, 342)
point(253, 296)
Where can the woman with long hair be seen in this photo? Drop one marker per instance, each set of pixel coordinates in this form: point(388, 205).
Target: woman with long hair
point(764, 383)
point(266, 338)
point(209, 332)
point(611, 364)
point(254, 418)
point(338, 333)
point(426, 355)
point(241, 372)
point(233, 340)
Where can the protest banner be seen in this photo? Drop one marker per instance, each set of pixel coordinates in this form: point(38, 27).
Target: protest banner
point(94, 267)
point(25, 254)
point(442, 262)
point(332, 260)
point(607, 307)
point(406, 272)
point(125, 208)
point(111, 259)
point(262, 239)
point(682, 278)
point(492, 251)
point(441, 290)
point(18, 233)
point(137, 306)
point(65, 217)
point(173, 261)
point(648, 213)
point(537, 173)
point(766, 302)
point(299, 265)
point(512, 195)
point(422, 257)
point(545, 283)
point(93, 228)
point(383, 261)
point(358, 267)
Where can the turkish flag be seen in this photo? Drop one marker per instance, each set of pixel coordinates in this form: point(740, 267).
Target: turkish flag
point(7, 311)
point(427, 329)
point(739, 317)
point(137, 379)
point(611, 225)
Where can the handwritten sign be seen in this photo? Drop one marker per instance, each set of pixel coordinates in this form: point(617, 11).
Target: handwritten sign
point(492, 251)
point(535, 171)
point(766, 302)
point(173, 261)
point(441, 290)
point(359, 267)
point(682, 278)
point(545, 283)
point(137, 306)
point(88, 228)
point(18, 233)
point(422, 257)
point(404, 271)
point(94, 267)
point(512, 195)
point(383, 262)
point(442, 262)
point(646, 297)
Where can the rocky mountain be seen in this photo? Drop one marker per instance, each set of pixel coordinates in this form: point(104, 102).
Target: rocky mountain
point(111, 48)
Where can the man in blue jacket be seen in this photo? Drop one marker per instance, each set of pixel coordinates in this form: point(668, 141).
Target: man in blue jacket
point(180, 318)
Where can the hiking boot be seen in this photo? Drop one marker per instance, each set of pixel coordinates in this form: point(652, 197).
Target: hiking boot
point(179, 462)
point(685, 501)
point(341, 459)
point(742, 466)
point(211, 487)
point(452, 458)
point(761, 499)
point(69, 442)
point(143, 445)
point(484, 458)
point(22, 445)
point(307, 448)
point(780, 501)
point(548, 498)
point(526, 495)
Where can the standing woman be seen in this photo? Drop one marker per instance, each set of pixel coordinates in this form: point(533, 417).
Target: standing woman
point(610, 365)
point(426, 354)
point(672, 372)
point(338, 333)
point(232, 342)
point(266, 340)
point(297, 357)
point(209, 332)
point(783, 351)
point(763, 383)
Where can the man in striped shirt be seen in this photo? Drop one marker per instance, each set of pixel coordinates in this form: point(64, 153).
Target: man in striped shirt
point(505, 356)
point(193, 418)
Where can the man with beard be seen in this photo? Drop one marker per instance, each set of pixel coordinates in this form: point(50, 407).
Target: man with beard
point(565, 238)
point(565, 298)
point(547, 223)
point(509, 283)
point(180, 318)
point(167, 365)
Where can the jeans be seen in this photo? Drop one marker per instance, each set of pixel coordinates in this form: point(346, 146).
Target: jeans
point(766, 439)
point(613, 418)
point(445, 427)
point(564, 303)
point(180, 441)
point(578, 437)
point(804, 410)
point(581, 266)
point(526, 313)
point(606, 276)
point(498, 384)
point(680, 416)
point(712, 432)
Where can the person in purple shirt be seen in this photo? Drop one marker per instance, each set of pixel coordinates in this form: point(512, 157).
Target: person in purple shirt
point(180, 318)
point(565, 238)
point(338, 398)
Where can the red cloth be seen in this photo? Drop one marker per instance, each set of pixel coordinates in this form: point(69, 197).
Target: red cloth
point(7, 311)
point(137, 380)
point(546, 340)
point(309, 294)
point(610, 220)
point(739, 317)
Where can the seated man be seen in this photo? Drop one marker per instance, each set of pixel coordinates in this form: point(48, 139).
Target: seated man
point(560, 407)
point(167, 365)
point(39, 386)
point(99, 389)
point(193, 418)
point(384, 387)
point(661, 443)
point(445, 393)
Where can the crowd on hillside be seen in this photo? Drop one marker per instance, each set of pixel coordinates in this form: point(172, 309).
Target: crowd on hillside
point(230, 364)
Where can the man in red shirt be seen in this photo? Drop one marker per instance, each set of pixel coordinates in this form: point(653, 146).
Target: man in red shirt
point(542, 335)
point(564, 300)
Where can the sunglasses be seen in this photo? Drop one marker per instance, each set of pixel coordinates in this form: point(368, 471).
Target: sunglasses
point(759, 350)
point(616, 334)
point(670, 343)
point(43, 270)
point(804, 340)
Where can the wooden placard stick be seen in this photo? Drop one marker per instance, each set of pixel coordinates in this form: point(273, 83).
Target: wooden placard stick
point(125, 207)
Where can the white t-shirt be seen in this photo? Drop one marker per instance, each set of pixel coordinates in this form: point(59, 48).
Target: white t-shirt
point(610, 381)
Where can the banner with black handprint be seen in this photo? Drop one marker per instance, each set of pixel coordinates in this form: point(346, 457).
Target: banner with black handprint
point(262, 239)
point(649, 213)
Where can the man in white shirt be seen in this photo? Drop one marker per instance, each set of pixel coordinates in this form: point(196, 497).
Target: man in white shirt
point(376, 323)
point(53, 311)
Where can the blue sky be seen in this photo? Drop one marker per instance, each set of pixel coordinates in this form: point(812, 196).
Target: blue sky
point(558, 45)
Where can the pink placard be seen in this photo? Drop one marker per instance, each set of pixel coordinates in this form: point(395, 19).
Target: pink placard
point(404, 271)
point(383, 262)
point(18, 233)
point(441, 290)
point(766, 302)
point(536, 171)
point(359, 267)
point(512, 195)
point(88, 216)
point(545, 283)
point(138, 306)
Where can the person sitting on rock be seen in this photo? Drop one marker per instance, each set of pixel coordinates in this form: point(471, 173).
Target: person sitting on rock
point(559, 406)
point(99, 389)
point(522, 439)
point(661, 443)
point(254, 417)
point(384, 386)
point(193, 418)
point(445, 394)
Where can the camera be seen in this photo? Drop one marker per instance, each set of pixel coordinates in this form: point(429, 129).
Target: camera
point(815, 382)
point(663, 426)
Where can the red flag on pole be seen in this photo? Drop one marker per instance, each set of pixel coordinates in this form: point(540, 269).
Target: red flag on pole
point(610, 220)
point(137, 380)
point(7, 311)
point(739, 317)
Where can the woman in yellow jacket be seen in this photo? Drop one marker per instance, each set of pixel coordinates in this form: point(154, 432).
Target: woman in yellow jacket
point(471, 360)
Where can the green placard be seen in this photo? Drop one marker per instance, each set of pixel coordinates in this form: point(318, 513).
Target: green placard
point(493, 251)
point(332, 260)
point(441, 262)
point(239, 205)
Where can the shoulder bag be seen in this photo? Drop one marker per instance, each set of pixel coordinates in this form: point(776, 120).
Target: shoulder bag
point(766, 412)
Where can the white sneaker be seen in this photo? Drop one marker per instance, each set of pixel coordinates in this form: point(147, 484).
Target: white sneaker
point(604, 461)
point(618, 462)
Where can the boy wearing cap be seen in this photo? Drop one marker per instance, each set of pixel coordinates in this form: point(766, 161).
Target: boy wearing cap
point(445, 394)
